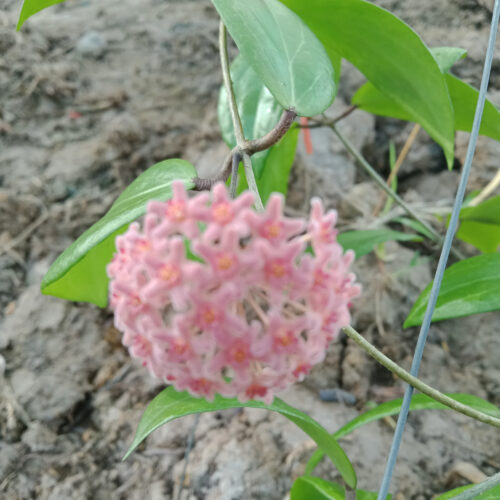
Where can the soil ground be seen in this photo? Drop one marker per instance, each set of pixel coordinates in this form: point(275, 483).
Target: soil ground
point(91, 94)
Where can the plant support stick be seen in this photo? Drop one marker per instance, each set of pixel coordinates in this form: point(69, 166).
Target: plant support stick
point(443, 259)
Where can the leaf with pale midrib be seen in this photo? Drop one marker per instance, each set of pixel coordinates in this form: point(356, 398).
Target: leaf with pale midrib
point(79, 273)
point(389, 408)
point(470, 286)
point(171, 404)
point(282, 50)
point(391, 56)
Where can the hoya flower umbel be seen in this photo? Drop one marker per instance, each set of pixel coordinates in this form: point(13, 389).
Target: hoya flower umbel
point(214, 297)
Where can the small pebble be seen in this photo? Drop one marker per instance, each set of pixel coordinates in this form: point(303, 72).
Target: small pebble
point(337, 396)
point(92, 44)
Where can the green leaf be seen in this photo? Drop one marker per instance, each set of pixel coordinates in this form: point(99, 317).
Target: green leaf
point(308, 487)
point(394, 184)
point(276, 169)
point(170, 405)
point(315, 488)
point(483, 235)
point(259, 111)
point(450, 494)
point(419, 402)
point(274, 178)
point(336, 60)
point(79, 273)
point(491, 494)
point(289, 59)
point(363, 242)
point(480, 225)
point(31, 7)
point(415, 225)
point(370, 99)
point(391, 56)
point(446, 57)
point(368, 495)
point(464, 98)
point(470, 286)
point(375, 101)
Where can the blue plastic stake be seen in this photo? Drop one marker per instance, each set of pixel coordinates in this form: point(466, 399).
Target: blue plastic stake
point(443, 259)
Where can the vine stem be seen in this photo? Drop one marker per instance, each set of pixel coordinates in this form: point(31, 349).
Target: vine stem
point(241, 142)
point(244, 148)
point(382, 184)
point(252, 147)
point(234, 174)
point(318, 123)
point(417, 383)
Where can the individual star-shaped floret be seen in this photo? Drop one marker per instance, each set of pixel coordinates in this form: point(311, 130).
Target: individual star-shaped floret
point(272, 225)
point(179, 214)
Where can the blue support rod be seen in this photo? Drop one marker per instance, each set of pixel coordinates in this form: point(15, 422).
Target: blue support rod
point(443, 259)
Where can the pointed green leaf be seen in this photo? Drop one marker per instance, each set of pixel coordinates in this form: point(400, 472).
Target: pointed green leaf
point(289, 59)
point(170, 405)
point(483, 235)
point(315, 488)
point(375, 101)
point(31, 7)
point(391, 56)
point(446, 57)
point(363, 242)
point(487, 211)
point(464, 98)
point(450, 494)
point(470, 286)
point(415, 225)
point(491, 494)
point(336, 60)
point(308, 487)
point(419, 402)
point(274, 178)
point(79, 273)
point(369, 495)
point(480, 225)
point(370, 99)
point(259, 111)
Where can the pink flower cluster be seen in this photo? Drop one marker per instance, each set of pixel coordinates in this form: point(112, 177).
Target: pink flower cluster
point(216, 298)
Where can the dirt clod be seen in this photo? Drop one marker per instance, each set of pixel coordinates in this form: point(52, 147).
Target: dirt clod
point(91, 94)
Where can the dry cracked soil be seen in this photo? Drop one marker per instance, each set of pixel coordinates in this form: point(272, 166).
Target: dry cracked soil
point(91, 94)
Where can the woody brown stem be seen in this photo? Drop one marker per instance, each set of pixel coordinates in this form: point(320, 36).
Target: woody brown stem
point(250, 148)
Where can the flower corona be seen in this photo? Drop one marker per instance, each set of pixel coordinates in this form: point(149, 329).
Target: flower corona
point(214, 297)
